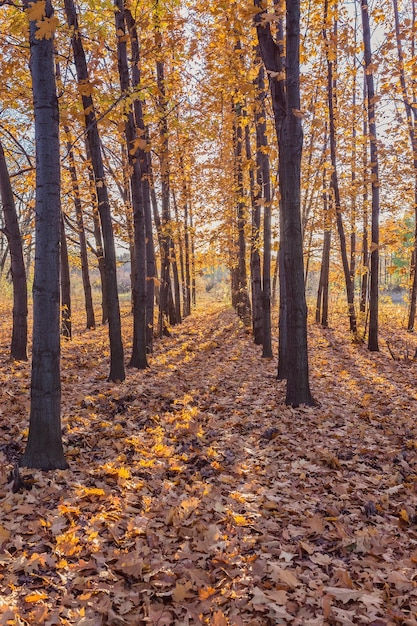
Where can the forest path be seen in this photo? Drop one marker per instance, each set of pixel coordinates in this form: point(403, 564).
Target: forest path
point(195, 496)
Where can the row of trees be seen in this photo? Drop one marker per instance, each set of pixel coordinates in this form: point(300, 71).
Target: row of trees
point(174, 119)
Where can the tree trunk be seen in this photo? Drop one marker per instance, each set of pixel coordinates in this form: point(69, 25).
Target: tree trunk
point(374, 286)
point(44, 447)
point(256, 201)
point(334, 182)
point(175, 282)
point(408, 106)
point(265, 182)
point(187, 272)
point(144, 160)
point(139, 348)
point(192, 239)
point(117, 369)
point(365, 220)
point(165, 231)
point(98, 250)
point(66, 327)
point(18, 348)
point(322, 308)
point(243, 304)
point(286, 106)
point(180, 249)
point(89, 309)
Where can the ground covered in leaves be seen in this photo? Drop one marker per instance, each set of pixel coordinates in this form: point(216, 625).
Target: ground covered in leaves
point(195, 496)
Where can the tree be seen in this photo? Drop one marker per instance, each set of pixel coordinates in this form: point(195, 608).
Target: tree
point(144, 160)
point(138, 358)
point(374, 168)
point(18, 348)
point(334, 180)
point(44, 447)
point(117, 369)
point(285, 93)
point(410, 114)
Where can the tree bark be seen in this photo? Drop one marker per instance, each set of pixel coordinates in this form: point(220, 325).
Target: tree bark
point(144, 160)
point(265, 181)
point(139, 348)
point(66, 326)
point(117, 369)
point(286, 107)
point(410, 119)
point(89, 308)
point(44, 447)
point(334, 180)
point(165, 229)
point(373, 149)
point(322, 307)
point(18, 348)
point(243, 304)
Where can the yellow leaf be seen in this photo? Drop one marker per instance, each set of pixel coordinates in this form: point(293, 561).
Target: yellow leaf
point(93, 491)
point(240, 520)
point(36, 596)
point(404, 516)
point(36, 10)
point(4, 534)
point(46, 27)
point(203, 594)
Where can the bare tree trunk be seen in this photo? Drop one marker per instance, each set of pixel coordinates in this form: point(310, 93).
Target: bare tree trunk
point(334, 179)
point(144, 160)
point(322, 308)
point(365, 219)
point(117, 369)
point(243, 304)
point(265, 182)
point(192, 238)
point(410, 119)
point(44, 447)
point(18, 348)
point(89, 309)
point(165, 234)
point(255, 257)
point(374, 287)
point(66, 326)
point(139, 349)
point(286, 106)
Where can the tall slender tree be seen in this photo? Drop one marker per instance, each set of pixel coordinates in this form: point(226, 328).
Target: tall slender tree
point(374, 168)
point(410, 115)
point(18, 348)
point(285, 93)
point(138, 358)
point(44, 447)
point(117, 368)
point(334, 180)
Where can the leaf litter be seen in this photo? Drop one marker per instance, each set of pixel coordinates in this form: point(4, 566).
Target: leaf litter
point(195, 496)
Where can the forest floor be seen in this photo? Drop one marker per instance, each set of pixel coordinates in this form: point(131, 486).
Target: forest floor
point(195, 496)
